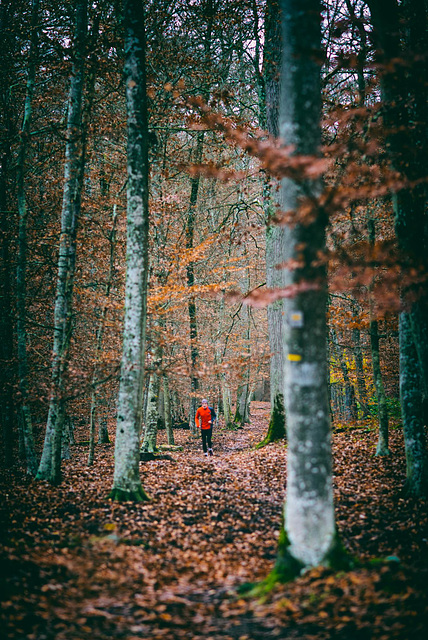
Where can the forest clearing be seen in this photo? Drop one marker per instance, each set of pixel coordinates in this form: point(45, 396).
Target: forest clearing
point(77, 565)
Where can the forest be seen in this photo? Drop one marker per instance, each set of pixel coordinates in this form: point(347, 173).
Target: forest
point(222, 203)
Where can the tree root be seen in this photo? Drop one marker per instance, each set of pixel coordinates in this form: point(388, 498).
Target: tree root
point(122, 495)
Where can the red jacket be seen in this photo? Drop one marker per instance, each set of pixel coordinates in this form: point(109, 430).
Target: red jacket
point(205, 415)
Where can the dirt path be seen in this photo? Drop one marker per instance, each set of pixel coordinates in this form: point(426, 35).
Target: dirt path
point(77, 566)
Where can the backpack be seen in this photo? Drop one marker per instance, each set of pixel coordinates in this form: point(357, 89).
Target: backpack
point(213, 416)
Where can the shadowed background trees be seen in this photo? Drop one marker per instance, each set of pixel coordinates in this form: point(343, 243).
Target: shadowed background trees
point(214, 209)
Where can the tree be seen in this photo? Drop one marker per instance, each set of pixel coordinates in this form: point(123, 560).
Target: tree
point(127, 482)
point(50, 463)
point(400, 32)
point(10, 53)
point(411, 410)
point(103, 435)
point(21, 274)
point(275, 234)
point(309, 534)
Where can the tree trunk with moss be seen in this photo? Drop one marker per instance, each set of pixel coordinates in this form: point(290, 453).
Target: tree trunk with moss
point(309, 522)
point(127, 482)
point(152, 413)
point(276, 429)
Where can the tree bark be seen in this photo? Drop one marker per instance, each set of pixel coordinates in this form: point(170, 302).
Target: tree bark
point(350, 407)
point(152, 412)
point(275, 234)
point(127, 482)
point(99, 345)
point(359, 369)
point(242, 409)
point(50, 464)
point(227, 405)
point(398, 31)
point(412, 412)
point(382, 448)
point(7, 373)
point(309, 524)
point(167, 409)
point(21, 274)
point(193, 325)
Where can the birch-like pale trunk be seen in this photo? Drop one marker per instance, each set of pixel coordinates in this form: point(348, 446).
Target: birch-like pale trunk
point(310, 532)
point(50, 464)
point(21, 272)
point(127, 482)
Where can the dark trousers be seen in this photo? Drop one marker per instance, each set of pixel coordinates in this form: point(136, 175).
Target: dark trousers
point(207, 438)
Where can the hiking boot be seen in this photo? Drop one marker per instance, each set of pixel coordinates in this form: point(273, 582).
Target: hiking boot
point(206, 454)
point(210, 451)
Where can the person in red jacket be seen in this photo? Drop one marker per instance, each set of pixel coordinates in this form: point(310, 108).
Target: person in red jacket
point(204, 419)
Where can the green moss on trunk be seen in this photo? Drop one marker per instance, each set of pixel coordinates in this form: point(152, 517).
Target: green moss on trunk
point(276, 430)
point(287, 568)
point(120, 495)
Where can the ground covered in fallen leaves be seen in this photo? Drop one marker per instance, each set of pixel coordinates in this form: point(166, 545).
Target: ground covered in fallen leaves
point(76, 566)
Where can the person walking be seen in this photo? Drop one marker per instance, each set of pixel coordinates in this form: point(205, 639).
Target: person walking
point(204, 419)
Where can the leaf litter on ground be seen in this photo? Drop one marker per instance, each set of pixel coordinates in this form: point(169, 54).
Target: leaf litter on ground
point(76, 565)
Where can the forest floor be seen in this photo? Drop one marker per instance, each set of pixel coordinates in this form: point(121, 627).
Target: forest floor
point(76, 566)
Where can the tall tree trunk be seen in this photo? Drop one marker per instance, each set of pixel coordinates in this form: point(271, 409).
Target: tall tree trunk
point(227, 404)
point(275, 234)
point(127, 482)
point(359, 369)
point(50, 464)
point(242, 413)
point(208, 10)
point(152, 412)
point(310, 533)
point(412, 412)
point(351, 412)
point(167, 409)
point(242, 409)
point(382, 448)
point(7, 412)
point(21, 275)
point(99, 345)
point(398, 31)
point(190, 232)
